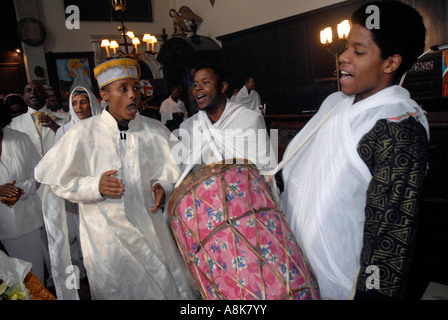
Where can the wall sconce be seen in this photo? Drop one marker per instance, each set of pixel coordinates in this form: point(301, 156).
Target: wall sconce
point(130, 34)
point(114, 45)
point(336, 47)
point(135, 42)
point(106, 44)
point(149, 39)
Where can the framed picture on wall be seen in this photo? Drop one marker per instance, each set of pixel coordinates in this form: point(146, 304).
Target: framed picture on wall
point(98, 10)
point(71, 69)
point(136, 10)
point(102, 10)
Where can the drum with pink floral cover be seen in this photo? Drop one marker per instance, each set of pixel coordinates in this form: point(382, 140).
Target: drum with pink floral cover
point(234, 238)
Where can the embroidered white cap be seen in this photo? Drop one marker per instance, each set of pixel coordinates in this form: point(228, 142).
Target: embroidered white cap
point(116, 69)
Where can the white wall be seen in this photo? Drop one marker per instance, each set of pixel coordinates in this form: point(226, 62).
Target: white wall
point(225, 17)
point(228, 16)
point(60, 39)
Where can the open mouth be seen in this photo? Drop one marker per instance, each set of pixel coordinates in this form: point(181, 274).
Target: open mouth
point(132, 108)
point(200, 98)
point(344, 75)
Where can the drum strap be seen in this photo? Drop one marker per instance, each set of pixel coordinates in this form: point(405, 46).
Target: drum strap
point(289, 157)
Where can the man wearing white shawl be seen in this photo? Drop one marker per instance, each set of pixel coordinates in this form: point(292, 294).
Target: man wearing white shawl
point(221, 130)
point(117, 167)
point(248, 96)
point(173, 105)
point(352, 190)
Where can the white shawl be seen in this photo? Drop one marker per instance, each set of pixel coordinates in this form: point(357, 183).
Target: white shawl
point(95, 109)
point(326, 183)
point(239, 133)
point(251, 100)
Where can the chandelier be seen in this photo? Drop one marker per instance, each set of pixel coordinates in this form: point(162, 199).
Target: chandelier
point(127, 45)
point(336, 47)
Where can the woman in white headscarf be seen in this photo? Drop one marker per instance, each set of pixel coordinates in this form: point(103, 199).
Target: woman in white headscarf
point(83, 104)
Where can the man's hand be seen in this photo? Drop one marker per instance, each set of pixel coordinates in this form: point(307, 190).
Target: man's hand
point(110, 186)
point(10, 194)
point(159, 195)
point(48, 121)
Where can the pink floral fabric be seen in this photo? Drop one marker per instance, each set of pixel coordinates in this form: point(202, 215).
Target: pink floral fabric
point(237, 242)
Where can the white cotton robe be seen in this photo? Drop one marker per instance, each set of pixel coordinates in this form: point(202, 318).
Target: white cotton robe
point(128, 251)
point(169, 106)
point(240, 133)
point(326, 184)
point(19, 157)
point(250, 99)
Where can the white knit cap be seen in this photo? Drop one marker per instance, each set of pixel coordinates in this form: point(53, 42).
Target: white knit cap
point(116, 69)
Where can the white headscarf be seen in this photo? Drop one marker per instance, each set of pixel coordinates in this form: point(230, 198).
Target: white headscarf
point(95, 109)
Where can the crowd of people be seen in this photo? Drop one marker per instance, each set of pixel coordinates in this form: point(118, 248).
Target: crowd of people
point(88, 187)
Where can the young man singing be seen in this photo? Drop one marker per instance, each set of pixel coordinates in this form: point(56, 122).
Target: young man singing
point(352, 192)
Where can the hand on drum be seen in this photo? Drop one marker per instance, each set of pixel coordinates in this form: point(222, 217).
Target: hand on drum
point(159, 196)
point(110, 186)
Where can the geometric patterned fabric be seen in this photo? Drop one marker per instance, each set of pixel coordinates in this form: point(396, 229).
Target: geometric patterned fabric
point(396, 155)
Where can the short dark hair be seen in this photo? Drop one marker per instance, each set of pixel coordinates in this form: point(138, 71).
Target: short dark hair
point(5, 114)
point(246, 80)
point(219, 71)
point(401, 31)
point(13, 99)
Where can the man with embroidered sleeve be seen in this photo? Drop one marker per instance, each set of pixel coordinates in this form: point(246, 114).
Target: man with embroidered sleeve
point(352, 192)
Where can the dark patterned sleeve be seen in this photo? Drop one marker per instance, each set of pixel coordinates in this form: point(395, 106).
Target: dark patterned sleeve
point(396, 154)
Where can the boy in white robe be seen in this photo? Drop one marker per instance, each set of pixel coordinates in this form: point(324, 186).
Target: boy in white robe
point(352, 191)
point(117, 167)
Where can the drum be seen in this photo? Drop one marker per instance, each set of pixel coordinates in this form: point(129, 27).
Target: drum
point(234, 238)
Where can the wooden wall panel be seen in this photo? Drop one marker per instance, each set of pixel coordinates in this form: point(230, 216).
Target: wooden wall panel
point(294, 72)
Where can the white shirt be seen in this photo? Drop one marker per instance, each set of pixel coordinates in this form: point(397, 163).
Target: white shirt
point(26, 123)
point(19, 157)
point(169, 106)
